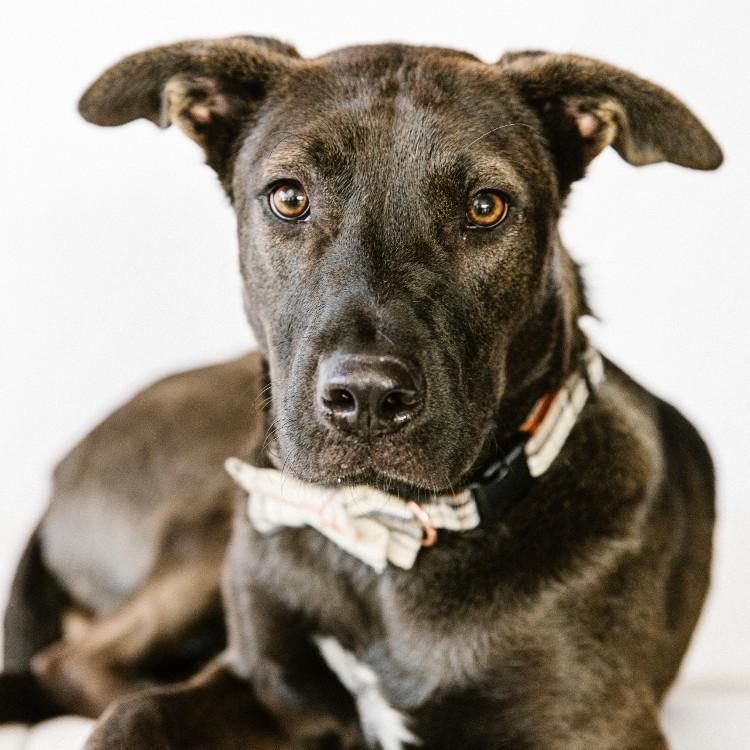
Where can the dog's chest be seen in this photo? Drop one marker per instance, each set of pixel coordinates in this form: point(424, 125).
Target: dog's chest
point(341, 597)
point(401, 624)
point(383, 725)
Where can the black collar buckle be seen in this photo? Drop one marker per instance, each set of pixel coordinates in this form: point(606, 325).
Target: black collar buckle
point(503, 481)
point(500, 468)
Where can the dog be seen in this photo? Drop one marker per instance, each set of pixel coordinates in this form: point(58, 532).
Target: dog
point(420, 366)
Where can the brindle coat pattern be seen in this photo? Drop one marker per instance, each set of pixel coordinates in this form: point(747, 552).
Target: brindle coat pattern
point(559, 625)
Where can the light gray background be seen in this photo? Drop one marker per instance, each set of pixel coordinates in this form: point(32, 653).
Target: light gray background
point(118, 259)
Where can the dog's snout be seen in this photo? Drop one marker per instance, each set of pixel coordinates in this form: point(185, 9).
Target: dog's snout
point(368, 394)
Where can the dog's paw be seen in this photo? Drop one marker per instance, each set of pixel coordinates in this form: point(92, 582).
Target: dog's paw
point(82, 682)
point(136, 723)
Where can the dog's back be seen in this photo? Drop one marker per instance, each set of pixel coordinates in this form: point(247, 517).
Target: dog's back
point(143, 496)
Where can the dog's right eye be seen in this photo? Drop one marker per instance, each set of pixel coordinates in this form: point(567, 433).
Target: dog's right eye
point(486, 210)
point(289, 201)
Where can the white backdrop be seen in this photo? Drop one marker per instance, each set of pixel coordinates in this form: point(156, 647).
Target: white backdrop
point(117, 260)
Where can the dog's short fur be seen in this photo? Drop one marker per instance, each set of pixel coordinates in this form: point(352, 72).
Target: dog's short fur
point(559, 625)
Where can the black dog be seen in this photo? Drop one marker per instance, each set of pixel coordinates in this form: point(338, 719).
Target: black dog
point(417, 318)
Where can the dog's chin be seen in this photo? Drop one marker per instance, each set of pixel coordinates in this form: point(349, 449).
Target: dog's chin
point(405, 472)
point(316, 471)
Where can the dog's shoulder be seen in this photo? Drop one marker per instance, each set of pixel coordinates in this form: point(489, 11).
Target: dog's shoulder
point(645, 419)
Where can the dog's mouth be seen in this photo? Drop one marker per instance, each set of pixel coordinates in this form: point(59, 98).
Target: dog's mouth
point(386, 481)
point(354, 468)
point(402, 465)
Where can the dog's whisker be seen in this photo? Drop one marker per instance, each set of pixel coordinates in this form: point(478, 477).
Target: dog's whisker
point(501, 127)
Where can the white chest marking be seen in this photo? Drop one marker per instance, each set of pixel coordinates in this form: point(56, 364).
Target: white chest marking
point(381, 723)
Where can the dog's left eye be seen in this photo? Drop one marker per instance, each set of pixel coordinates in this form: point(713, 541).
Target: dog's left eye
point(289, 201)
point(486, 210)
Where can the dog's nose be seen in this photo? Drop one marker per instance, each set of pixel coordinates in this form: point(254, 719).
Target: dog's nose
point(368, 394)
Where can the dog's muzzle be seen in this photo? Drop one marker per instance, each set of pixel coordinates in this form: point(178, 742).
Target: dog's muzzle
point(380, 528)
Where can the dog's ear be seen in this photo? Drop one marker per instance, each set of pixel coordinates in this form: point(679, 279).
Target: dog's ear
point(586, 105)
point(209, 88)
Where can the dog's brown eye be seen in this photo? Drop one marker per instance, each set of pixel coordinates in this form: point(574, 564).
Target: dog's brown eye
point(486, 210)
point(289, 201)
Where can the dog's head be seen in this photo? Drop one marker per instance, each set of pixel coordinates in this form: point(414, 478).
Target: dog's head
point(397, 210)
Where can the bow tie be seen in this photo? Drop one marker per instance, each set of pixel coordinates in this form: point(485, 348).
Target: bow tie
point(380, 528)
point(372, 525)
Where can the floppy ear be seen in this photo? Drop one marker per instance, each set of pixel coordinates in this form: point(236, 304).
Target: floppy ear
point(586, 105)
point(209, 88)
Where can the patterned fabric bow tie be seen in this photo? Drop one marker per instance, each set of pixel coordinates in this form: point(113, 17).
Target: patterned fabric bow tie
point(374, 526)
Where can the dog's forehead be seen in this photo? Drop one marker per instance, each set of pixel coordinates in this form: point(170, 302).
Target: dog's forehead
point(371, 108)
point(427, 74)
point(392, 53)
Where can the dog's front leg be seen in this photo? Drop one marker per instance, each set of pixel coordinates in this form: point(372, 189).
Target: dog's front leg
point(506, 715)
point(275, 647)
point(639, 732)
point(216, 710)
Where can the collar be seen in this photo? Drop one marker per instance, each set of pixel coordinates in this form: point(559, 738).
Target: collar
point(539, 440)
point(380, 528)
